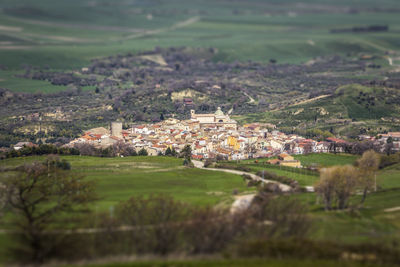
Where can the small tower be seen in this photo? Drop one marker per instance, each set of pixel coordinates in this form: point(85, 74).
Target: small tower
point(192, 113)
point(116, 129)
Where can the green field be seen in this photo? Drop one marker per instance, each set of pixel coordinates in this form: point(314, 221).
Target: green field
point(67, 35)
point(233, 263)
point(118, 179)
point(302, 176)
point(325, 159)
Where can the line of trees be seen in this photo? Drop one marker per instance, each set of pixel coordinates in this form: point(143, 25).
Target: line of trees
point(117, 149)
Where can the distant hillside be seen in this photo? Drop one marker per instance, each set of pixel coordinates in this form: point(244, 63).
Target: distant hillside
point(351, 110)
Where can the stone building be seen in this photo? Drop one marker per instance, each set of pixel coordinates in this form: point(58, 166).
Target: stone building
point(116, 129)
point(216, 120)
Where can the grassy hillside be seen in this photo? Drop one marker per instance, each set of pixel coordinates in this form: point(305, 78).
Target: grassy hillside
point(351, 110)
point(67, 35)
point(118, 179)
point(232, 263)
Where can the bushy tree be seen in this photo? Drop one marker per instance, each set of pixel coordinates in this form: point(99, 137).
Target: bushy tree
point(168, 152)
point(186, 153)
point(143, 152)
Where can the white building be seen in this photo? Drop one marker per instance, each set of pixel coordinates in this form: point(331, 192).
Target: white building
point(216, 120)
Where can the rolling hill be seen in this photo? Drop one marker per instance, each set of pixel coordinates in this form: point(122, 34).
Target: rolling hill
point(351, 110)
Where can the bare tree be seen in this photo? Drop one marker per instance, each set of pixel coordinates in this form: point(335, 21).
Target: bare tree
point(279, 217)
point(339, 182)
point(368, 165)
point(157, 220)
point(325, 188)
point(39, 194)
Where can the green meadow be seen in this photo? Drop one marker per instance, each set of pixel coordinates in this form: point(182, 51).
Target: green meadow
point(118, 179)
point(325, 159)
point(233, 263)
point(67, 35)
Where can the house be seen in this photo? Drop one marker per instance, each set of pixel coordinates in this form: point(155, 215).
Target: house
point(20, 145)
point(188, 102)
point(289, 161)
point(273, 161)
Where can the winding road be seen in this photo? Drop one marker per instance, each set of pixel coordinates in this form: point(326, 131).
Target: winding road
point(283, 187)
point(242, 202)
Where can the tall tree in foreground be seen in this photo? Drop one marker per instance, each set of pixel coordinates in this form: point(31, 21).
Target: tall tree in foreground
point(40, 195)
point(368, 164)
point(337, 183)
point(186, 153)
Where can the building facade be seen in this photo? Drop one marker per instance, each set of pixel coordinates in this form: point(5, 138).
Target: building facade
point(216, 120)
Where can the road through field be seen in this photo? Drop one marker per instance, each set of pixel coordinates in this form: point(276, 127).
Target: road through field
point(283, 187)
point(135, 32)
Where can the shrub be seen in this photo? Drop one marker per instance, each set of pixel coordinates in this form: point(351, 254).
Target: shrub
point(281, 179)
point(233, 167)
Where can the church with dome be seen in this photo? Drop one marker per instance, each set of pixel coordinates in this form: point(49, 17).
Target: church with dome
point(216, 120)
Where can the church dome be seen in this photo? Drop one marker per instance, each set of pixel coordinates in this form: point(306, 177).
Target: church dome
point(219, 112)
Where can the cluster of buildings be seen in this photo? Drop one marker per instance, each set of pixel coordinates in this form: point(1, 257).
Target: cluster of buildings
point(210, 136)
point(216, 135)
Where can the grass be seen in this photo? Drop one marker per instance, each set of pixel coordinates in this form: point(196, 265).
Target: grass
point(69, 35)
point(302, 176)
point(232, 263)
point(363, 225)
point(325, 159)
point(119, 179)
point(389, 177)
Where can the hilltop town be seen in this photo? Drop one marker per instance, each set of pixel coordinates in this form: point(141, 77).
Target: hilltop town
point(216, 135)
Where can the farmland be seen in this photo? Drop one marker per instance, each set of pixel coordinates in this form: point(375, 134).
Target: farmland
point(230, 263)
point(37, 34)
point(118, 179)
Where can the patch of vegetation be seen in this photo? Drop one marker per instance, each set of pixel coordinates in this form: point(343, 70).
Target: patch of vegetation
point(325, 159)
point(350, 110)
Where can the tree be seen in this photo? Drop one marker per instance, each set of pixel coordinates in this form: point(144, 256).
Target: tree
point(368, 164)
point(337, 183)
point(186, 153)
point(158, 220)
point(346, 179)
point(143, 152)
point(39, 194)
point(389, 146)
point(173, 152)
point(168, 152)
point(281, 217)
